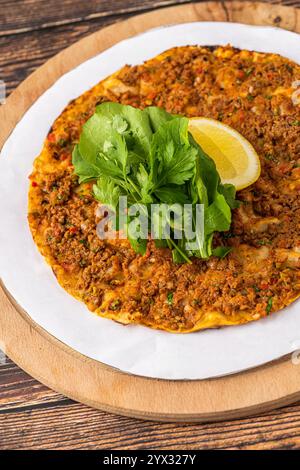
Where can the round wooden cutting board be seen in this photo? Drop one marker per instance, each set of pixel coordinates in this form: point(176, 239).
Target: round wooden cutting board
point(88, 381)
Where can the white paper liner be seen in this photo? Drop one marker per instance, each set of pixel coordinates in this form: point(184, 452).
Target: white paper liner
point(134, 349)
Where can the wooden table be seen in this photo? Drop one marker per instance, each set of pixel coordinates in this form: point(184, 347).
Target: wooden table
point(31, 415)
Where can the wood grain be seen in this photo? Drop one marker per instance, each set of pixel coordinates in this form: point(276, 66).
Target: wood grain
point(23, 53)
point(47, 420)
point(258, 13)
point(18, 388)
point(25, 43)
point(26, 416)
point(46, 14)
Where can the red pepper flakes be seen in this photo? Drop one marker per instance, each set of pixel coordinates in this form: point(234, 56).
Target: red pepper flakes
point(51, 137)
point(34, 184)
point(264, 286)
point(241, 74)
point(241, 115)
point(151, 95)
point(73, 230)
point(64, 156)
point(285, 167)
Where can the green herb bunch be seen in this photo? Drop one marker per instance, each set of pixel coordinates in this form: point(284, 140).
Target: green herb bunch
point(150, 157)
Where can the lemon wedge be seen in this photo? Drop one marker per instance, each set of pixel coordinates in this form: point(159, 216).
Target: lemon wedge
point(235, 158)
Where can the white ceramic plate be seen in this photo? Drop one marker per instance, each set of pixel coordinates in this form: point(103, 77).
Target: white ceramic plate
point(133, 349)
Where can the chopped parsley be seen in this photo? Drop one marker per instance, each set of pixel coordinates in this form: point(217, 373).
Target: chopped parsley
point(62, 142)
point(170, 298)
point(264, 242)
point(270, 157)
point(115, 305)
point(150, 157)
point(269, 305)
point(249, 71)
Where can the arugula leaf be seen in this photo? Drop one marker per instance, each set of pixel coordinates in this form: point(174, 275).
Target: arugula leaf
point(172, 195)
point(221, 251)
point(85, 170)
point(198, 190)
point(161, 243)
point(158, 117)
point(116, 150)
point(229, 192)
point(206, 171)
point(146, 184)
point(96, 131)
point(138, 132)
point(179, 254)
point(218, 216)
point(139, 245)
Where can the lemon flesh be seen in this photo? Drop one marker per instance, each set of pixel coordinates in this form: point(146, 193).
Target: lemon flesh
point(235, 158)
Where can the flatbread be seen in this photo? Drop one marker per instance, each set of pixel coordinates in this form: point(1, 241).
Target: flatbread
point(252, 92)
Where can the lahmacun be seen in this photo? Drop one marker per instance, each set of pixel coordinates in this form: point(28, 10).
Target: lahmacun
point(249, 91)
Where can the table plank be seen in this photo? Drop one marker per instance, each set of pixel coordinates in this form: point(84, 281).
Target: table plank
point(47, 14)
point(21, 16)
point(23, 53)
point(24, 50)
point(31, 415)
point(18, 389)
point(74, 426)
point(26, 43)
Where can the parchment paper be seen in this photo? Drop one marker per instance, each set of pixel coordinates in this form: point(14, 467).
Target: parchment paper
point(134, 349)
